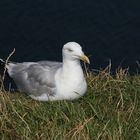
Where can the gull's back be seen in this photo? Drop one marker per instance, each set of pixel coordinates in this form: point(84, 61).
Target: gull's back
point(34, 77)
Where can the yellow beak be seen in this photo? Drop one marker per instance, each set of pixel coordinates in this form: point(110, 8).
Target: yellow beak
point(85, 59)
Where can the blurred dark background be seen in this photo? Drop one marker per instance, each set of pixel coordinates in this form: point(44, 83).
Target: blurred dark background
point(39, 28)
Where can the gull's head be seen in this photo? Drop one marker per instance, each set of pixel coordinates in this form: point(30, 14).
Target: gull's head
point(73, 51)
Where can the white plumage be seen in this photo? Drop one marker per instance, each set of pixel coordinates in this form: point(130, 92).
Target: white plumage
point(47, 80)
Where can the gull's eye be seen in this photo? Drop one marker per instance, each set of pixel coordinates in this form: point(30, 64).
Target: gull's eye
point(70, 50)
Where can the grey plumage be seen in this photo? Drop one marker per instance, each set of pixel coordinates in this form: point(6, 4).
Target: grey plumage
point(35, 77)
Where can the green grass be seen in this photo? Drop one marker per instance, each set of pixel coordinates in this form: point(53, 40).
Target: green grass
point(110, 110)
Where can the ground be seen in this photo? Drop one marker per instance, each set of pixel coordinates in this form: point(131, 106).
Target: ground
point(110, 110)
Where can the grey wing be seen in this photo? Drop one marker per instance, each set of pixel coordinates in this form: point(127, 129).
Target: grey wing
point(35, 78)
point(50, 63)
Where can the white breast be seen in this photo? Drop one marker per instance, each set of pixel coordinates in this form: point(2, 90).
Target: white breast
point(70, 86)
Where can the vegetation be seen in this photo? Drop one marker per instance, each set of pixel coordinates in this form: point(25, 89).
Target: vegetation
point(110, 110)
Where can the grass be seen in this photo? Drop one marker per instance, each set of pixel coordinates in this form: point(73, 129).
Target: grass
point(110, 110)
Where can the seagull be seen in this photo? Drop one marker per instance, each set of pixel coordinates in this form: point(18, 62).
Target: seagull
point(49, 80)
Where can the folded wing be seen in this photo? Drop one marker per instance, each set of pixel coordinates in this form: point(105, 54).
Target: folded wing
point(35, 78)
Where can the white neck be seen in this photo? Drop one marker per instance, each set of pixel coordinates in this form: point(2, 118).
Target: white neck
point(71, 68)
point(70, 65)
